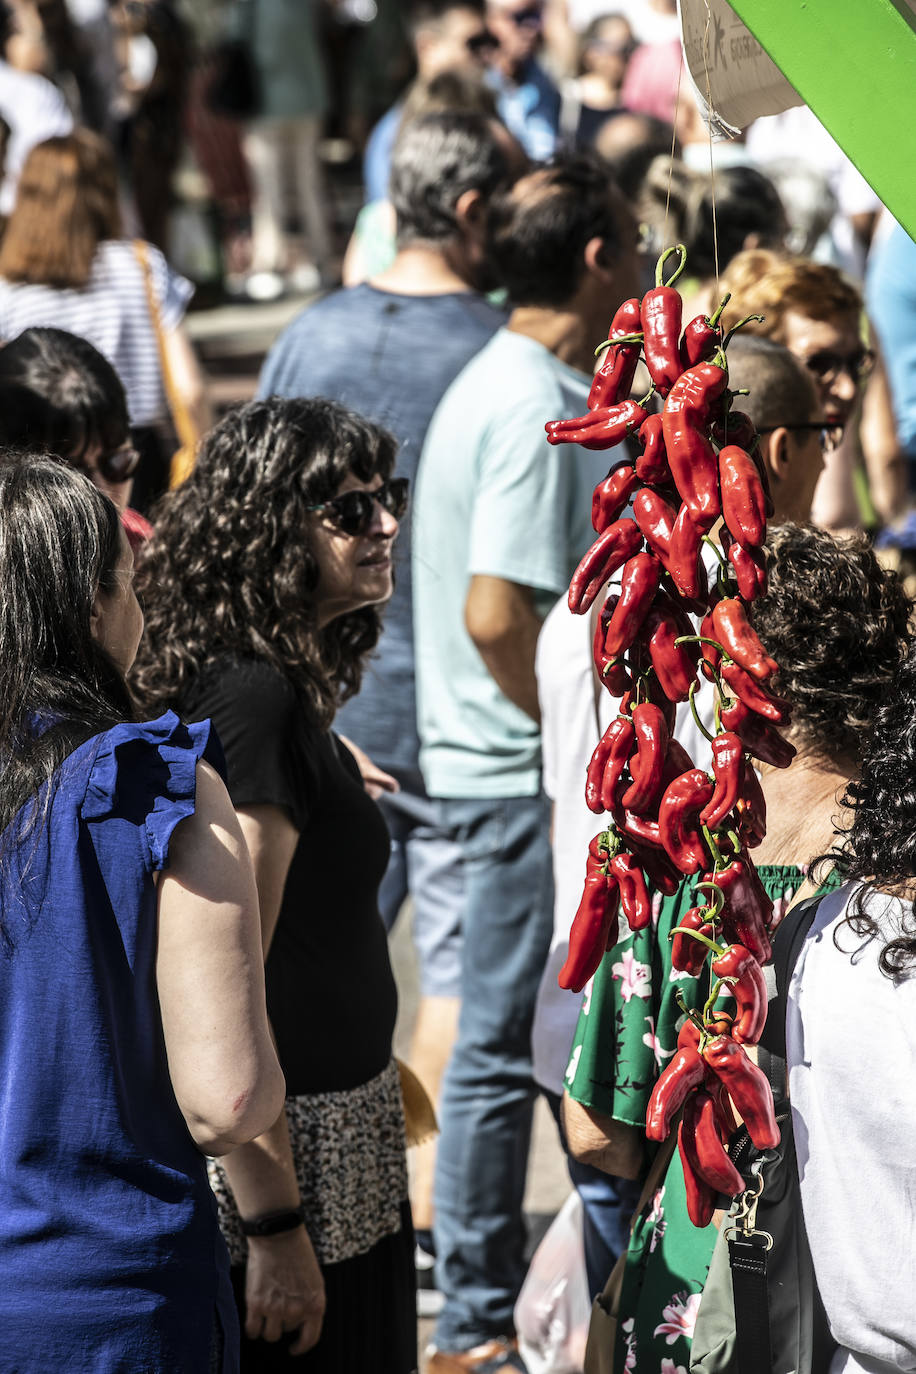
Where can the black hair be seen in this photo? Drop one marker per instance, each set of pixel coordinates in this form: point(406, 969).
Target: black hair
point(436, 159)
point(60, 542)
point(782, 391)
point(426, 12)
point(229, 568)
point(58, 394)
point(538, 231)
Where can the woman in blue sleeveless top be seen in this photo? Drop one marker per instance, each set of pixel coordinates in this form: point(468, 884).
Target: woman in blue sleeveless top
point(133, 1032)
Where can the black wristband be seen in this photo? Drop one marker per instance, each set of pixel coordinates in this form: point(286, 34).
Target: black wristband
point(273, 1223)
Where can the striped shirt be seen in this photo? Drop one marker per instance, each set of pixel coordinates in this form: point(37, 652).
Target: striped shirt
point(112, 312)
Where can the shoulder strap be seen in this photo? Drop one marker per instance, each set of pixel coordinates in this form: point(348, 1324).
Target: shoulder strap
point(787, 944)
point(181, 416)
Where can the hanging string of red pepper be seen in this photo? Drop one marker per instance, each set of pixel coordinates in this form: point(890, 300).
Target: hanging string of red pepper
point(669, 819)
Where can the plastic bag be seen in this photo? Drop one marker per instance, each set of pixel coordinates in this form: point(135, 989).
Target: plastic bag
point(553, 1308)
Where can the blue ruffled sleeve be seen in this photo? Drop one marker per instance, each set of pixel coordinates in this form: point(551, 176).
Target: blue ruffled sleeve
point(146, 774)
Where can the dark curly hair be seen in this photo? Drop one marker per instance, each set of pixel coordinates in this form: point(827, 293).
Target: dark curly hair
point(878, 848)
point(229, 569)
point(836, 622)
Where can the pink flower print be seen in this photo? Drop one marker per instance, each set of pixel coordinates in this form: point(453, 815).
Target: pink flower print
point(669, 1367)
point(655, 1045)
point(629, 1340)
point(656, 909)
point(635, 977)
point(679, 1317)
point(657, 1211)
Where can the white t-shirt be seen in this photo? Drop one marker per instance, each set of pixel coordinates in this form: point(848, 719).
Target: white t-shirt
point(112, 312)
point(851, 1049)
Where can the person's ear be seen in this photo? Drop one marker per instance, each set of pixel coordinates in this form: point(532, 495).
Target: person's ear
point(471, 213)
point(596, 259)
point(775, 448)
point(95, 618)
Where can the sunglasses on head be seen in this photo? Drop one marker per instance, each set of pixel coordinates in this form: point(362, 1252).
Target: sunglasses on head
point(353, 511)
point(531, 17)
point(117, 466)
point(827, 365)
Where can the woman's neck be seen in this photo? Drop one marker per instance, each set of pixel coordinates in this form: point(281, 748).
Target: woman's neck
point(804, 806)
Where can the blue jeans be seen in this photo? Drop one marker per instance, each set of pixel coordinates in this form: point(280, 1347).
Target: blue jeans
point(489, 1092)
point(427, 864)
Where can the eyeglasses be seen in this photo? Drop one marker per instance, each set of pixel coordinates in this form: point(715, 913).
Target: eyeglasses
point(117, 466)
point(531, 17)
point(830, 435)
point(479, 44)
point(827, 366)
point(353, 511)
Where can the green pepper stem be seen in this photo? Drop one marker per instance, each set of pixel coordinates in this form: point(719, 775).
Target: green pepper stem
point(714, 849)
point(689, 1012)
point(718, 950)
point(717, 904)
point(648, 396)
point(740, 325)
point(713, 320)
point(693, 711)
point(660, 265)
point(618, 339)
point(700, 639)
point(715, 548)
point(712, 998)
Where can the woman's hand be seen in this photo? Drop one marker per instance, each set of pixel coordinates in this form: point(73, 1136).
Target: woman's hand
point(284, 1290)
point(375, 780)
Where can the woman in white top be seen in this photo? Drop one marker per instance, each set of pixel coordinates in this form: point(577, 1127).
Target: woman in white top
point(64, 263)
point(851, 1041)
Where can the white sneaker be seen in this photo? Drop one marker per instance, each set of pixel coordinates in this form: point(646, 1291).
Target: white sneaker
point(264, 286)
point(429, 1300)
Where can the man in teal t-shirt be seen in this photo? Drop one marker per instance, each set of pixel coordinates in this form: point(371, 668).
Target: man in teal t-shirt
point(500, 521)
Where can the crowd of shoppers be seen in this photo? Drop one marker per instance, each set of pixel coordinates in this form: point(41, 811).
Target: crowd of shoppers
point(341, 700)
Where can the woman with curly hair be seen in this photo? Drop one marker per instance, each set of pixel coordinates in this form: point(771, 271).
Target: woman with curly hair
point(851, 1050)
point(837, 624)
point(262, 585)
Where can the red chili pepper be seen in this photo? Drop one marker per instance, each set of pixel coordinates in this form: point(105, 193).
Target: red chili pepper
point(758, 738)
point(690, 955)
point(614, 377)
point(608, 761)
point(728, 771)
point(685, 565)
point(658, 868)
point(648, 760)
point(661, 323)
point(743, 501)
point(739, 639)
point(652, 463)
point(610, 550)
point(737, 427)
point(611, 495)
point(751, 808)
point(640, 829)
point(678, 824)
point(754, 694)
point(612, 670)
point(599, 429)
point(638, 585)
point(592, 925)
point(747, 1087)
point(691, 456)
point(745, 977)
point(675, 664)
point(699, 1141)
point(679, 1078)
point(750, 570)
point(655, 519)
point(748, 910)
point(634, 898)
point(702, 337)
point(699, 1196)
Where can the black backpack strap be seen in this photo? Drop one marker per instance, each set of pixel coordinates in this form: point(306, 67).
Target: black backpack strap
point(748, 1260)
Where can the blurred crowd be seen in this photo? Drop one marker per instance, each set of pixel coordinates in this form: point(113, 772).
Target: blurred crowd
point(465, 191)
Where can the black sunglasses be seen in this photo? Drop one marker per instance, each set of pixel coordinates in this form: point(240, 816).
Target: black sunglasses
point(117, 466)
point(530, 18)
point(830, 435)
point(353, 511)
point(827, 365)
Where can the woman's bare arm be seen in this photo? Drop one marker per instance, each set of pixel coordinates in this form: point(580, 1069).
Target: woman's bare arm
point(210, 978)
